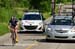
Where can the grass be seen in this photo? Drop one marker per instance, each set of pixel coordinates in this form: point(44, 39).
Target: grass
point(3, 29)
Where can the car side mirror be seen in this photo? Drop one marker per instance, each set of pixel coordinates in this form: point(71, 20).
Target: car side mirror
point(43, 18)
point(74, 23)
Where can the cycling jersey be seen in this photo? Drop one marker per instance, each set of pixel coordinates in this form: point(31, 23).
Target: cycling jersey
point(13, 23)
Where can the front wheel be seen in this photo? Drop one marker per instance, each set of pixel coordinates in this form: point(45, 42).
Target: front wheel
point(13, 38)
point(47, 39)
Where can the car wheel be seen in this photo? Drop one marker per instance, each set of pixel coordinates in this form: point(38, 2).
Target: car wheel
point(43, 30)
point(47, 39)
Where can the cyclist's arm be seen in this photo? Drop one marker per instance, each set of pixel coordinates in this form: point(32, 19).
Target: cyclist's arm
point(17, 25)
point(9, 25)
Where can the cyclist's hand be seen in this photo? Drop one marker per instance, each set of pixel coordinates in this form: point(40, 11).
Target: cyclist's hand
point(16, 27)
point(9, 27)
point(12, 29)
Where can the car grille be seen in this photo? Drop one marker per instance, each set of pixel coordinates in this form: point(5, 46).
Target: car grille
point(61, 36)
point(61, 31)
point(30, 27)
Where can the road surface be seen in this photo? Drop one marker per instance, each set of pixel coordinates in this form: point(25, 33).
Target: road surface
point(36, 41)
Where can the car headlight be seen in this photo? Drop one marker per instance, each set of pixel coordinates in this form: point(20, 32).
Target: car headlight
point(73, 30)
point(40, 23)
point(49, 29)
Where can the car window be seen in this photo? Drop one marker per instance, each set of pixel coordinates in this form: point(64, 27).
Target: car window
point(61, 22)
point(32, 17)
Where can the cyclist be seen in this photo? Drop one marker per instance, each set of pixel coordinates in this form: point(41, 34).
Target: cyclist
point(13, 26)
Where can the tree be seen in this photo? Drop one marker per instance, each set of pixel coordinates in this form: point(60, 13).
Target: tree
point(43, 5)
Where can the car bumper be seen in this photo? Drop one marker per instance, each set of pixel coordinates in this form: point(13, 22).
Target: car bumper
point(31, 30)
point(62, 36)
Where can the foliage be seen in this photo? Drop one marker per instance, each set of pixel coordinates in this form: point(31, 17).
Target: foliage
point(3, 29)
point(63, 1)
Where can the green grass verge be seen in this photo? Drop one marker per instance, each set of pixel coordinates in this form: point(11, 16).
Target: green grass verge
point(3, 29)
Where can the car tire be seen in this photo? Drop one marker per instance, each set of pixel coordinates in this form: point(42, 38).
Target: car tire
point(43, 30)
point(47, 39)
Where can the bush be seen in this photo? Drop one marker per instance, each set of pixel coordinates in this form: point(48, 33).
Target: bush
point(3, 29)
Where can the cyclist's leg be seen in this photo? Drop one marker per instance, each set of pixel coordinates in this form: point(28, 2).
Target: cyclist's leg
point(11, 31)
point(16, 35)
point(13, 35)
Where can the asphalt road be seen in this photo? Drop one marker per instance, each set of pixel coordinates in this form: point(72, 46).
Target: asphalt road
point(31, 40)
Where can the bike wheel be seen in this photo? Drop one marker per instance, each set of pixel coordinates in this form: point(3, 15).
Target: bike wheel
point(13, 39)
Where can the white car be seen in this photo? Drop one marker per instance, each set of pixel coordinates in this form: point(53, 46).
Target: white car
point(32, 21)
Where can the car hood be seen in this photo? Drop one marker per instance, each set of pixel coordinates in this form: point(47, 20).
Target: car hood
point(60, 27)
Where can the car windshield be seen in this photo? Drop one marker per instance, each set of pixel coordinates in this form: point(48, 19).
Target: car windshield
point(61, 22)
point(32, 17)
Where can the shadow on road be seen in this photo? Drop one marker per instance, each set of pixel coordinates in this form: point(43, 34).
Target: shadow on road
point(56, 41)
point(5, 45)
point(33, 33)
point(50, 41)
